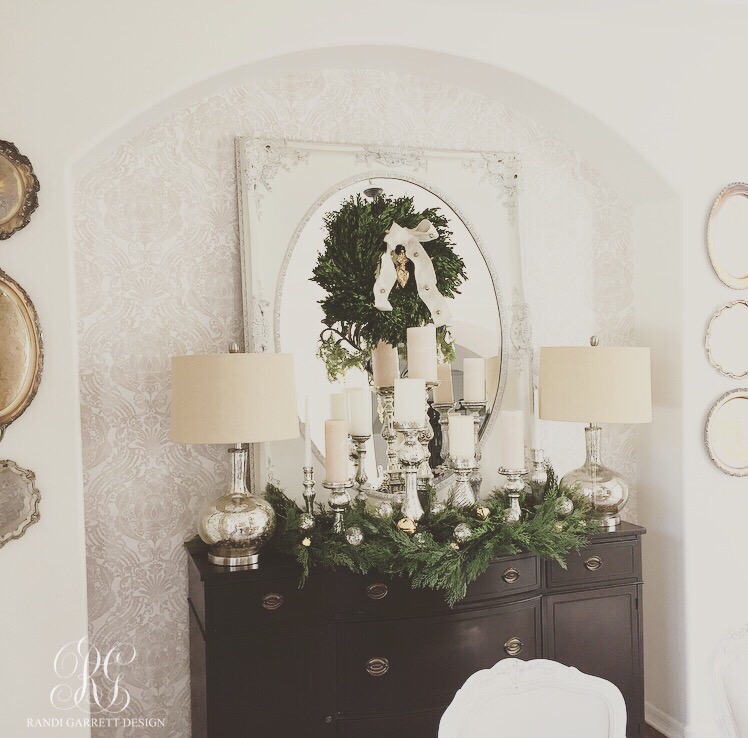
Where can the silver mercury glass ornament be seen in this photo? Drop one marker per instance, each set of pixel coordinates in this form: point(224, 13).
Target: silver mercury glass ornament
point(411, 455)
point(514, 486)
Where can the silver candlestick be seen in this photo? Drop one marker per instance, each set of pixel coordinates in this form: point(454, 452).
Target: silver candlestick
point(425, 473)
point(411, 456)
point(514, 486)
point(339, 501)
point(538, 473)
point(463, 493)
point(475, 409)
point(443, 409)
point(386, 407)
point(362, 478)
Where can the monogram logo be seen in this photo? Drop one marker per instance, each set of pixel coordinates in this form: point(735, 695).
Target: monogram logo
point(92, 678)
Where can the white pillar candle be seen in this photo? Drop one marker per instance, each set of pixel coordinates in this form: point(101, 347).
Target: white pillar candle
point(410, 401)
point(474, 380)
point(307, 436)
point(535, 428)
point(422, 352)
point(359, 410)
point(339, 406)
point(443, 393)
point(336, 451)
point(385, 365)
point(512, 439)
point(461, 437)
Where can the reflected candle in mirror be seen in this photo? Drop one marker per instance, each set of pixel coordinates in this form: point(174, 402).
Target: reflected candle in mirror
point(359, 410)
point(443, 393)
point(336, 451)
point(474, 380)
point(339, 406)
point(307, 436)
point(512, 439)
point(410, 401)
point(422, 352)
point(461, 437)
point(385, 365)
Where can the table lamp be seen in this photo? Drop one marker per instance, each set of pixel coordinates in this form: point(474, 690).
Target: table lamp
point(234, 399)
point(596, 384)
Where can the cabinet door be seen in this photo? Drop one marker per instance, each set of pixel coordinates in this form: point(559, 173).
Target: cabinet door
point(599, 633)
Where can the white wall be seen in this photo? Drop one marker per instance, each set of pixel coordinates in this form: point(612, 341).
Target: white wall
point(669, 88)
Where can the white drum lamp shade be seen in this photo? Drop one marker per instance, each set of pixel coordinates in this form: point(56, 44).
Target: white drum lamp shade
point(595, 384)
point(233, 398)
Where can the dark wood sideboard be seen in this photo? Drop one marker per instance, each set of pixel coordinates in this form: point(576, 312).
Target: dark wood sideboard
point(351, 656)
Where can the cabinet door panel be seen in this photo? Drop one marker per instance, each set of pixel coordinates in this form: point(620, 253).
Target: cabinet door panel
point(599, 632)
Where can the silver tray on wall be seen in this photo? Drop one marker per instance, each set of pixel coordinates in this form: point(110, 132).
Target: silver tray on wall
point(726, 340)
point(726, 433)
point(19, 501)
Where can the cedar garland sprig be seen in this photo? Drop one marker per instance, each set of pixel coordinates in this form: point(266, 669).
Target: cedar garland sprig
point(430, 558)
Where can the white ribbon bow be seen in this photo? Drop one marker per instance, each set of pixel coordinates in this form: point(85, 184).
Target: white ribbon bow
point(411, 239)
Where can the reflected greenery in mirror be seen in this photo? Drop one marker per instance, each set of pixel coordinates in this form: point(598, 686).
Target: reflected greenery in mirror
point(347, 269)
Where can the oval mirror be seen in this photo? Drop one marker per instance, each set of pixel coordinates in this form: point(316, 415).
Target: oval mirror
point(727, 235)
point(476, 326)
point(727, 339)
point(726, 433)
point(19, 501)
point(22, 355)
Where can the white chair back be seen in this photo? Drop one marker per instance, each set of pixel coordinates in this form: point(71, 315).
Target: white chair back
point(535, 699)
point(730, 681)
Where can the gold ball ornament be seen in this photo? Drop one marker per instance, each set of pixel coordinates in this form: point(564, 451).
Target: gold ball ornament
point(483, 512)
point(558, 526)
point(407, 526)
point(306, 541)
point(454, 546)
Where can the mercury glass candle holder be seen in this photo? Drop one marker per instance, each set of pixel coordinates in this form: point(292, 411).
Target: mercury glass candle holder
point(538, 476)
point(476, 409)
point(425, 472)
point(514, 486)
point(309, 493)
point(443, 408)
point(462, 492)
point(386, 407)
point(339, 501)
point(411, 456)
point(361, 478)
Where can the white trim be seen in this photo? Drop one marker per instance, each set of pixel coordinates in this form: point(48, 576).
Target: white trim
point(661, 721)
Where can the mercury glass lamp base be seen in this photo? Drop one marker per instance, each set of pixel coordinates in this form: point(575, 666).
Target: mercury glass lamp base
point(606, 490)
point(246, 561)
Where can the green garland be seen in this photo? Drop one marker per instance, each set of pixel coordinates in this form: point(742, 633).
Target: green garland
point(348, 268)
point(432, 558)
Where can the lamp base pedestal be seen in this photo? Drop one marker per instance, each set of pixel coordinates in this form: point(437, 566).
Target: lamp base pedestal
point(245, 561)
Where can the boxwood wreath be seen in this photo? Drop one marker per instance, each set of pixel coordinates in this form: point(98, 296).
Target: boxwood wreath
point(446, 550)
point(347, 269)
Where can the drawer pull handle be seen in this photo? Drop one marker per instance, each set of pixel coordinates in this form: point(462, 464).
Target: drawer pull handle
point(377, 666)
point(510, 576)
point(272, 601)
point(593, 563)
point(377, 591)
point(513, 646)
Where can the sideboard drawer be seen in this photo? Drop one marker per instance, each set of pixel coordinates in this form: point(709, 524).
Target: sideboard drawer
point(429, 658)
point(264, 603)
point(598, 562)
point(425, 723)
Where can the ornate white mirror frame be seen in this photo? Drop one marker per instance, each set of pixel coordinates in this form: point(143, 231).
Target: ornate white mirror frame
point(282, 185)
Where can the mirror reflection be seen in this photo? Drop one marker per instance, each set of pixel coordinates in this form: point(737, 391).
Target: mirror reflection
point(473, 332)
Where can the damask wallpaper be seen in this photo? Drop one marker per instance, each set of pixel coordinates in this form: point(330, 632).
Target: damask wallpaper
point(158, 275)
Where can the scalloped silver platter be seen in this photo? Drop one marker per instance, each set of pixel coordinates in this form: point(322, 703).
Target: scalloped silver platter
point(22, 354)
point(19, 501)
point(726, 340)
point(18, 190)
point(727, 227)
point(726, 433)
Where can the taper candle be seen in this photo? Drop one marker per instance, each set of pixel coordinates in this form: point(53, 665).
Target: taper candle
point(385, 365)
point(339, 406)
point(410, 401)
point(474, 380)
point(461, 437)
point(443, 393)
point(422, 352)
point(359, 410)
point(307, 436)
point(512, 439)
point(336, 451)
